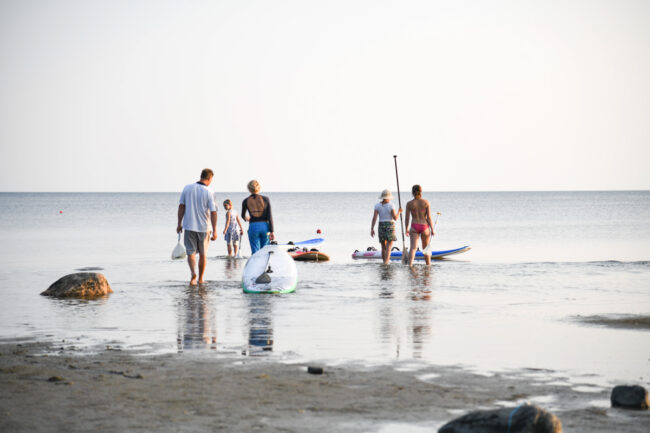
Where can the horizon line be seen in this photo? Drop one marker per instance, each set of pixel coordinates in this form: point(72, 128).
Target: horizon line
point(326, 192)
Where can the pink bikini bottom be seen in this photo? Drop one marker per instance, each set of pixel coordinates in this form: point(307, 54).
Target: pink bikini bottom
point(419, 228)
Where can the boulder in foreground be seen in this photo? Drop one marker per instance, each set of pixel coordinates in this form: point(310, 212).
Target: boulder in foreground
point(630, 397)
point(525, 418)
point(86, 285)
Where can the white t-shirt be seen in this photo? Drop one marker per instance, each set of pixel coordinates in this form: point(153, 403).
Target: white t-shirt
point(385, 211)
point(198, 202)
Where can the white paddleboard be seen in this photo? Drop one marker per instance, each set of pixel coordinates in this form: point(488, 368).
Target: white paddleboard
point(283, 276)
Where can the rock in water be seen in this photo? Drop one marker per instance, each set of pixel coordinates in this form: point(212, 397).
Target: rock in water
point(630, 397)
point(87, 285)
point(525, 418)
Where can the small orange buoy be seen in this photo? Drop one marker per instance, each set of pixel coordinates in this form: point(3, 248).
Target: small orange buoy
point(318, 231)
point(60, 211)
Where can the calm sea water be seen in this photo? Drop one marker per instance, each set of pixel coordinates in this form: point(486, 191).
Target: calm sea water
point(538, 262)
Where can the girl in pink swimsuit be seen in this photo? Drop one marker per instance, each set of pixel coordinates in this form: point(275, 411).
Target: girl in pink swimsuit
point(418, 212)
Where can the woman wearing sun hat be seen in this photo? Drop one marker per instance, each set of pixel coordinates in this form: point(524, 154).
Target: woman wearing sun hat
point(387, 216)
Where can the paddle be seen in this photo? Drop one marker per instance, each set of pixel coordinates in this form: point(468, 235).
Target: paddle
point(427, 250)
point(401, 222)
point(264, 277)
point(241, 239)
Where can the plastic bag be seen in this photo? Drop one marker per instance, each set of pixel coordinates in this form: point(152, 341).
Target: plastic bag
point(179, 250)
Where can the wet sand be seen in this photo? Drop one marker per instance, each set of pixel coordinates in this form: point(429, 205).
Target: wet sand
point(46, 389)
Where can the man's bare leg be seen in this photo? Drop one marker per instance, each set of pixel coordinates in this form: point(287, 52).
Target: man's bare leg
point(191, 260)
point(202, 262)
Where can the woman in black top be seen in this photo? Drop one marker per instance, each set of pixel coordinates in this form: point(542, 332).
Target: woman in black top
point(260, 227)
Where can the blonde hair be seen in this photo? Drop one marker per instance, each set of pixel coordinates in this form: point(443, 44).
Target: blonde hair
point(253, 186)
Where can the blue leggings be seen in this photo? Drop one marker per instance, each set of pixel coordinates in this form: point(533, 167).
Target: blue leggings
point(258, 235)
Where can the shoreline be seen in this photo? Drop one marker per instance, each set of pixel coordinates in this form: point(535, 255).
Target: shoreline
point(45, 389)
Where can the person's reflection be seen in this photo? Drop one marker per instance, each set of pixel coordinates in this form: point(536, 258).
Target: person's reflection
point(260, 324)
point(421, 283)
point(387, 326)
point(386, 281)
point(231, 270)
point(197, 324)
point(419, 312)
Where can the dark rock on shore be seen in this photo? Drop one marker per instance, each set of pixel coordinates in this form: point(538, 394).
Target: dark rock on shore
point(314, 369)
point(521, 419)
point(87, 285)
point(630, 397)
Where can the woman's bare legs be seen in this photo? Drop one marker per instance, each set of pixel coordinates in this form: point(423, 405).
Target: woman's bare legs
point(414, 246)
point(389, 247)
point(425, 241)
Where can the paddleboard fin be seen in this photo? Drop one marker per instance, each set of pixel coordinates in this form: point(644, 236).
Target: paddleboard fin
point(265, 278)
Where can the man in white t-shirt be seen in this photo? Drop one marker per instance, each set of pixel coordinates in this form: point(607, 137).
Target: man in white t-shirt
point(196, 207)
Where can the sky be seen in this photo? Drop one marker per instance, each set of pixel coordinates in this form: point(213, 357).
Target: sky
point(319, 95)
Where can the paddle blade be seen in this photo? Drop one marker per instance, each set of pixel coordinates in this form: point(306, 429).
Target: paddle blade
point(179, 252)
point(427, 249)
point(405, 255)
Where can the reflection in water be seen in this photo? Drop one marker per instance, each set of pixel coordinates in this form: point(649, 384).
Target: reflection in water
point(386, 276)
point(196, 320)
point(386, 317)
point(411, 302)
point(260, 324)
point(420, 312)
point(421, 283)
point(231, 269)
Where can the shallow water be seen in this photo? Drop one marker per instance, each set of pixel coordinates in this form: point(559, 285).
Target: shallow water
point(538, 262)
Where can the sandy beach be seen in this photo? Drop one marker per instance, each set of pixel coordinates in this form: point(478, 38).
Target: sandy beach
point(46, 389)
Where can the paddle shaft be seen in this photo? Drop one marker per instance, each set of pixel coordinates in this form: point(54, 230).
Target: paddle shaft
point(268, 261)
point(399, 201)
point(434, 224)
point(241, 238)
point(431, 235)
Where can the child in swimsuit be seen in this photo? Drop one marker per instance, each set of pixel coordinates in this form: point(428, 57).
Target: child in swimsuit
point(387, 214)
point(419, 211)
point(231, 234)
